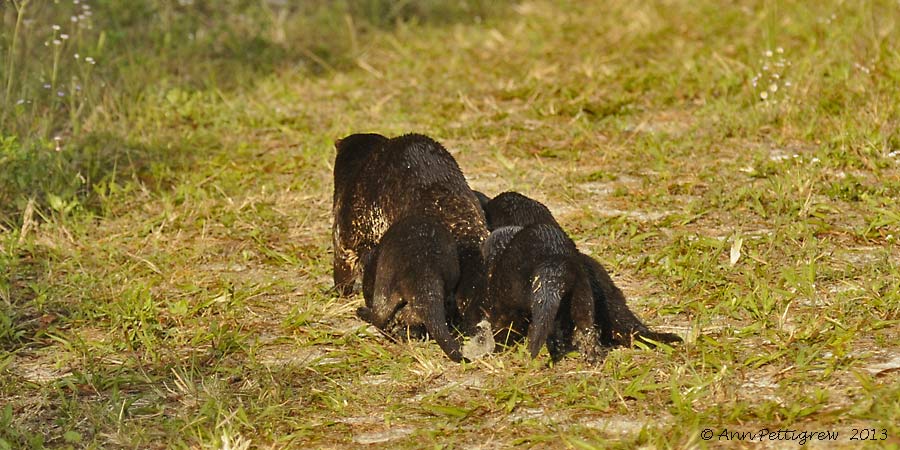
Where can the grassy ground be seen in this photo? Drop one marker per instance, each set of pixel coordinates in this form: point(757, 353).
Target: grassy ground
point(165, 275)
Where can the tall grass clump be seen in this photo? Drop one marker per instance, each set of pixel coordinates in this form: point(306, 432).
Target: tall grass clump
point(50, 52)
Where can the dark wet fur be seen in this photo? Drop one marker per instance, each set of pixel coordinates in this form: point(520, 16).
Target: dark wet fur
point(378, 181)
point(537, 288)
point(408, 282)
point(483, 200)
point(618, 324)
point(615, 323)
point(515, 209)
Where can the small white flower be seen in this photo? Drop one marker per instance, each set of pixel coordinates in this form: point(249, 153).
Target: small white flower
point(787, 84)
point(814, 160)
point(64, 36)
point(768, 53)
point(763, 95)
point(47, 86)
point(74, 19)
point(60, 93)
point(90, 60)
point(55, 27)
point(21, 101)
point(773, 87)
point(77, 56)
point(57, 42)
point(779, 50)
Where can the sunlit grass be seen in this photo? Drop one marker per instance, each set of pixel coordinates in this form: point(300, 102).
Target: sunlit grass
point(165, 275)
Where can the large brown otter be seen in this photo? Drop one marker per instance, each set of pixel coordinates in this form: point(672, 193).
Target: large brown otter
point(379, 181)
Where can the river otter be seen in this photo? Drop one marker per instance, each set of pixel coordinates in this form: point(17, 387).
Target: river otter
point(537, 287)
point(378, 181)
point(615, 323)
point(409, 279)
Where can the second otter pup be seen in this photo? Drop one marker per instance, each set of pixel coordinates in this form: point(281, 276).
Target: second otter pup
point(538, 288)
point(408, 281)
point(616, 323)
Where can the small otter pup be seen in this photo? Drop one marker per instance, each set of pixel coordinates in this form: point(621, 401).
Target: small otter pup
point(409, 280)
point(537, 287)
point(378, 181)
point(616, 324)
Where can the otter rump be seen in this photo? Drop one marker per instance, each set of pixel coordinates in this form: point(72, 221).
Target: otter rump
point(409, 279)
point(538, 288)
point(527, 242)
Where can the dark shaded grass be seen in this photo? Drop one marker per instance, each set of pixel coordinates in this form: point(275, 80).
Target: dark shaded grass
point(152, 48)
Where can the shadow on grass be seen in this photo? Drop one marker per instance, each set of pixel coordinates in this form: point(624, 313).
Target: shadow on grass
point(58, 181)
point(144, 45)
point(231, 44)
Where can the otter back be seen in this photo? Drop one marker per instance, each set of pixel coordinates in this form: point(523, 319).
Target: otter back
point(378, 181)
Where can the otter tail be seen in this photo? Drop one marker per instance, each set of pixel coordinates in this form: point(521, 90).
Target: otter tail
point(552, 281)
point(431, 308)
point(619, 325)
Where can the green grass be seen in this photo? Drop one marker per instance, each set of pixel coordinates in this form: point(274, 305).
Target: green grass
point(165, 275)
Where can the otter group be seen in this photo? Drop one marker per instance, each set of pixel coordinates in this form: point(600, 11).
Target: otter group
point(435, 258)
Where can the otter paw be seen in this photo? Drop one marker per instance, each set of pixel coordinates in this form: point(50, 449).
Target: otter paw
point(364, 313)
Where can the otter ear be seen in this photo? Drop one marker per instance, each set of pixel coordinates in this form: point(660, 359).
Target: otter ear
point(337, 143)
